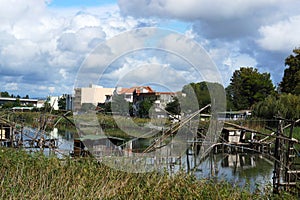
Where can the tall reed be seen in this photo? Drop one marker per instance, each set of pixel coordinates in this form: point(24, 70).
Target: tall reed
point(34, 176)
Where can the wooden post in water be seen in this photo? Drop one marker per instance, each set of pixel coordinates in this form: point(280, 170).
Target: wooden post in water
point(1, 134)
point(10, 136)
point(290, 155)
point(278, 159)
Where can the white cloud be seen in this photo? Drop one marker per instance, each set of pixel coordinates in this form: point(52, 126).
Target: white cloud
point(120, 56)
point(51, 89)
point(83, 40)
point(82, 20)
point(42, 87)
point(63, 73)
point(144, 72)
point(281, 36)
point(37, 43)
point(256, 28)
point(195, 9)
point(11, 86)
point(45, 46)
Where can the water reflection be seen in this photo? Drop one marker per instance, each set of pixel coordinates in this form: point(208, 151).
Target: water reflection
point(56, 142)
point(65, 141)
point(239, 169)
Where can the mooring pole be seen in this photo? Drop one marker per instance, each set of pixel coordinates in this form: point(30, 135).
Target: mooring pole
point(277, 162)
point(289, 155)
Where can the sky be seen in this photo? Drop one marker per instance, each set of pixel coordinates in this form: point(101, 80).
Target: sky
point(45, 45)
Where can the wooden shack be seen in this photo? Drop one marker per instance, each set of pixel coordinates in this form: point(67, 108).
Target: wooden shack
point(233, 135)
point(99, 145)
point(6, 133)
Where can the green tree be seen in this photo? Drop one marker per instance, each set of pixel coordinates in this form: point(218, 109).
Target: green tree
point(46, 107)
point(107, 107)
point(11, 104)
point(144, 108)
point(8, 105)
point(5, 94)
point(62, 102)
point(174, 107)
point(229, 98)
point(248, 87)
point(291, 79)
point(200, 90)
point(201, 93)
point(17, 103)
point(284, 105)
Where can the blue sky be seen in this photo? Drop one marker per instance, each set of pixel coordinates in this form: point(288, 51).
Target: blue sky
point(43, 45)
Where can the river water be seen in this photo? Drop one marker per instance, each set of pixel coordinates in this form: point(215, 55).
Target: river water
point(243, 170)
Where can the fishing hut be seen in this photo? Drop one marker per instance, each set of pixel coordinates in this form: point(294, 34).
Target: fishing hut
point(6, 133)
point(15, 135)
point(100, 145)
point(233, 135)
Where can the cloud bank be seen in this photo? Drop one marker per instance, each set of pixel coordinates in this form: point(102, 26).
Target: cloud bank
point(43, 47)
point(260, 32)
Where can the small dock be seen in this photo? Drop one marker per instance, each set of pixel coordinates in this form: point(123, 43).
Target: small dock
point(10, 135)
point(18, 136)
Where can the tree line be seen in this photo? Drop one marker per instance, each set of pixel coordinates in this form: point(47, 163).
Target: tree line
point(251, 90)
point(12, 104)
point(6, 94)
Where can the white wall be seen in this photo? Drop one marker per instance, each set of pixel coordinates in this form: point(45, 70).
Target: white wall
point(54, 102)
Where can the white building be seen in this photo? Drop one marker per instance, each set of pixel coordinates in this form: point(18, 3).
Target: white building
point(53, 101)
point(40, 103)
point(93, 94)
point(23, 102)
point(128, 92)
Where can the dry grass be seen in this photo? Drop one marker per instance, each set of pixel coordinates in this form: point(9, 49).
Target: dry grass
point(34, 176)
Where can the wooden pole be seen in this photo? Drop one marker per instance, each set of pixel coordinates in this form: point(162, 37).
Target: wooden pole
point(277, 162)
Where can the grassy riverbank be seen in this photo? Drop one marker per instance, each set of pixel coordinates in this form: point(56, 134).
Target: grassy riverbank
point(25, 176)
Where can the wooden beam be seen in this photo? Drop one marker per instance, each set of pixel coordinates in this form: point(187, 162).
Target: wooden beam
point(264, 134)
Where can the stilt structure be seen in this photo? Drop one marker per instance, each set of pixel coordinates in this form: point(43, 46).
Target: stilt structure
point(286, 175)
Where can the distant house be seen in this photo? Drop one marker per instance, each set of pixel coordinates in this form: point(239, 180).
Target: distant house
point(53, 101)
point(165, 98)
point(93, 94)
point(23, 102)
point(40, 103)
point(126, 92)
point(129, 92)
point(160, 99)
point(234, 115)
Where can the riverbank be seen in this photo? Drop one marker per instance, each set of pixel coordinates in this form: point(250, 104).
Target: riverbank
point(34, 176)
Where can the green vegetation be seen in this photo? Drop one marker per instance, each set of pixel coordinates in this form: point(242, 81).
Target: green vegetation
point(144, 108)
point(201, 92)
point(62, 102)
point(174, 107)
point(34, 176)
point(291, 79)
point(284, 105)
point(6, 94)
point(248, 87)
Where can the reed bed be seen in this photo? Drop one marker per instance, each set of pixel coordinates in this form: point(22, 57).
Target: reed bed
point(34, 176)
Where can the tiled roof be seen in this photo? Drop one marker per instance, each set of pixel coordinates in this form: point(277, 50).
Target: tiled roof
point(138, 89)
